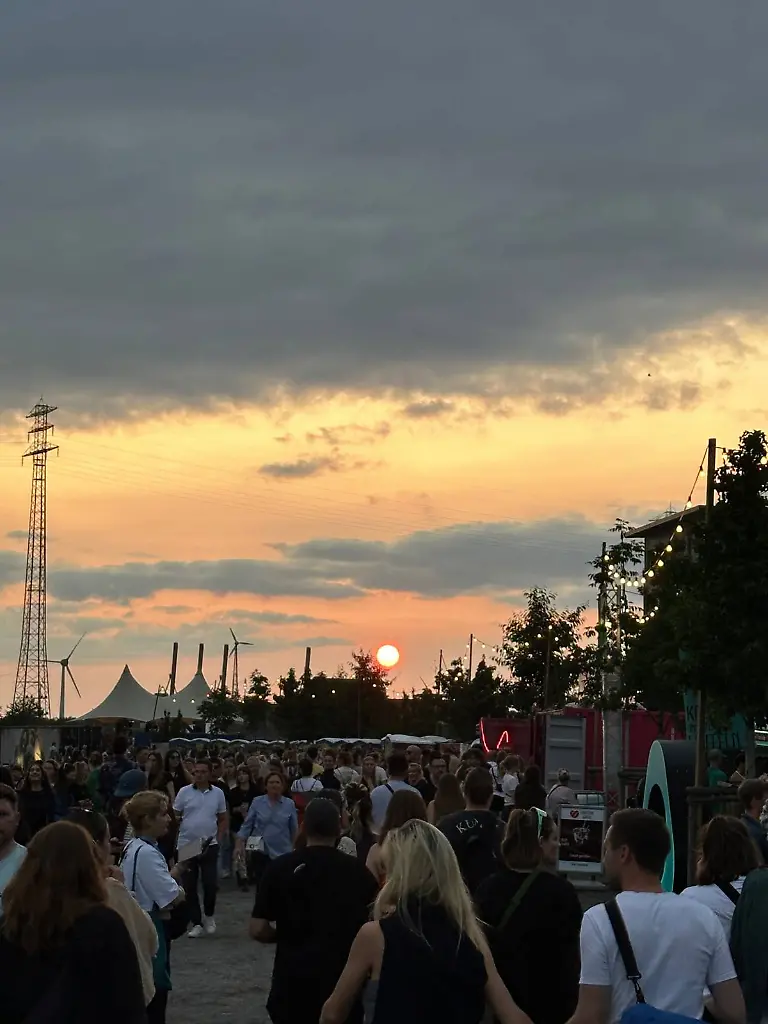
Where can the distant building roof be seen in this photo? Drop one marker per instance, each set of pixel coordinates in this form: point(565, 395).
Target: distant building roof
point(663, 522)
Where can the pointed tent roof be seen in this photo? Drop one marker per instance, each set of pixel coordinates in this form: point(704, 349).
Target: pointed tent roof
point(127, 699)
point(187, 700)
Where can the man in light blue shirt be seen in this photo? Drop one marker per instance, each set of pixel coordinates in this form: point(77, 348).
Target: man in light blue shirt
point(397, 766)
point(11, 854)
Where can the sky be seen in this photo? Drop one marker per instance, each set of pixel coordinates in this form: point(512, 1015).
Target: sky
point(362, 320)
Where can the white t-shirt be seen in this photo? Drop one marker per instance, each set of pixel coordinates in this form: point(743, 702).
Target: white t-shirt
point(509, 784)
point(306, 784)
point(199, 810)
point(679, 946)
point(716, 900)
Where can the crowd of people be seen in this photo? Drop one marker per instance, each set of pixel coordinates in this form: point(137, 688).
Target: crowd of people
point(422, 886)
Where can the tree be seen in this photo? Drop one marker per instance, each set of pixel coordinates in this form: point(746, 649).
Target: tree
point(710, 599)
point(24, 711)
point(255, 704)
point(466, 701)
point(541, 647)
point(220, 711)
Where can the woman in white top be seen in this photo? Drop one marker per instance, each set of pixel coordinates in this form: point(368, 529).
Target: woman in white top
point(510, 780)
point(306, 782)
point(155, 888)
point(726, 857)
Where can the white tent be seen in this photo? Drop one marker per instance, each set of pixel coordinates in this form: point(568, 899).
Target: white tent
point(127, 699)
point(186, 700)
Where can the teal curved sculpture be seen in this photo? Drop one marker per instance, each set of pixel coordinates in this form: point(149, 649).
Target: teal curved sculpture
point(670, 772)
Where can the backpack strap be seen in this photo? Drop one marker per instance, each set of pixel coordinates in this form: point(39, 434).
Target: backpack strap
point(729, 890)
point(625, 947)
point(517, 899)
point(387, 786)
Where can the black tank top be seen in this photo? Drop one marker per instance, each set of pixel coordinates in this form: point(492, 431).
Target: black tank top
point(440, 976)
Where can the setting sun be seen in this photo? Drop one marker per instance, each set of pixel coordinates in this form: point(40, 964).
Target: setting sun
point(388, 656)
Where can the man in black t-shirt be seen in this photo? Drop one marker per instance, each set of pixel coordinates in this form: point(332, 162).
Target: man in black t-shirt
point(312, 903)
point(475, 834)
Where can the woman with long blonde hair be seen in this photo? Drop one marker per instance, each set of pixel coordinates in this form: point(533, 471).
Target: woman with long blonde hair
point(424, 955)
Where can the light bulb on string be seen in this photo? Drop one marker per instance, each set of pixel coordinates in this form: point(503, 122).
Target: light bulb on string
point(678, 529)
point(660, 563)
point(668, 548)
point(651, 574)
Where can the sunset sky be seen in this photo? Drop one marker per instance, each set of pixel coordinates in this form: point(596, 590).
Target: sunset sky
point(363, 319)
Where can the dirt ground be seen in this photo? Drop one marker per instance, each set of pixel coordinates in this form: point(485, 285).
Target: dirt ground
point(224, 977)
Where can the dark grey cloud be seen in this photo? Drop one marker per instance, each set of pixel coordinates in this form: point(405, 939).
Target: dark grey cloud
point(247, 199)
point(17, 535)
point(424, 409)
point(11, 567)
point(495, 559)
point(300, 469)
point(131, 580)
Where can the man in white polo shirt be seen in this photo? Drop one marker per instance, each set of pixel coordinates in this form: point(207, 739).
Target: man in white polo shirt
point(203, 812)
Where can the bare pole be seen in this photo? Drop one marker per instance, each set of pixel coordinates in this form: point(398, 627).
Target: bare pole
point(701, 707)
point(224, 664)
point(471, 648)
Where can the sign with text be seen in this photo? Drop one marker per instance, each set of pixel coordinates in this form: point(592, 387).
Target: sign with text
point(581, 838)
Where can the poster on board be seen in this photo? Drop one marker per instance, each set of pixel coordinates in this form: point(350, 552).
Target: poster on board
point(581, 838)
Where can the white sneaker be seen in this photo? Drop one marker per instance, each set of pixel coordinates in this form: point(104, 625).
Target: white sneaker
point(196, 931)
point(209, 926)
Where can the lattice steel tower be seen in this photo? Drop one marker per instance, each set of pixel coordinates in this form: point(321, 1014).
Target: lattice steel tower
point(32, 672)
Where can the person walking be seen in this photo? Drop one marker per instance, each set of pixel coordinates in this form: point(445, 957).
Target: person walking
point(202, 808)
point(12, 853)
point(560, 794)
point(727, 855)
point(678, 944)
point(269, 828)
point(752, 795)
point(424, 956)
point(63, 950)
point(533, 919)
point(37, 806)
point(311, 902)
point(475, 833)
point(397, 767)
point(155, 887)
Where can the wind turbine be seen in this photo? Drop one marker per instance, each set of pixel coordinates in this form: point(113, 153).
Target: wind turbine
point(66, 671)
point(235, 676)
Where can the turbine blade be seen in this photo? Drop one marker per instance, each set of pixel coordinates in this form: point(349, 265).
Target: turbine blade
point(246, 643)
point(76, 646)
point(77, 691)
point(233, 634)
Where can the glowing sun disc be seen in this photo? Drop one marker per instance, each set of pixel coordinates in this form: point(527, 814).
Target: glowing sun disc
point(388, 656)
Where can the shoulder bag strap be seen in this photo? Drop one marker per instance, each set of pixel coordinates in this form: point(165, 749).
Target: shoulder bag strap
point(517, 899)
point(135, 861)
point(387, 786)
point(625, 947)
point(729, 890)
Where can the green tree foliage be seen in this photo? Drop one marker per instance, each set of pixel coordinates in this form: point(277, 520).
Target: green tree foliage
point(542, 649)
point(255, 704)
point(25, 711)
point(709, 630)
point(465, 701)
point(220, 711)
